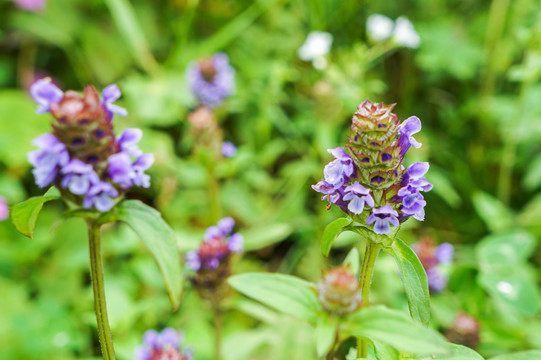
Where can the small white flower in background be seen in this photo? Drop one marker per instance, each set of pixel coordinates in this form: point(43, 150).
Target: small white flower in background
point(404, 33)
point(379, 27)
point(315, 47)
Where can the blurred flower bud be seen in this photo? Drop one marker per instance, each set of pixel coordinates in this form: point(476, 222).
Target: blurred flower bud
point(464, 331)
point(338, 291)
point(212, 80)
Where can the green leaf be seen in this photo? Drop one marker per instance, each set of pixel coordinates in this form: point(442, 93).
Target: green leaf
point(504, 250)
point(385, 352)
point(325, 333)
point(494, 213)
point(525, 355)
point(459, 352)
point(532, 179)
point(415, 281)
point(284, 293)
point(25, 214)
point(396, 329)
point(352, 259)
point(331, 232)
point(159, 239)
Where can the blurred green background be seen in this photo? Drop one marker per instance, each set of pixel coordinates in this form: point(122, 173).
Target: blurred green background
point(474, 81)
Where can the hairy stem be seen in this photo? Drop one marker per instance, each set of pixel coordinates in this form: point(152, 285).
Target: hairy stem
point(372, 250)
point(96, 271)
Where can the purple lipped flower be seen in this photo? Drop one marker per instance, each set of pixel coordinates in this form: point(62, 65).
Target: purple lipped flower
point(120, 170)
point(78, 177)
point(358, 195)
point(142, 163)
point(212, 80)
point(51, 156)
point(331, 194)
point(436, 279)
point(101, 196)
point(193, 262)
point(109, 95)
point(338, 171)
point(30, 5)
point(382, 217)
point(44, 92)
point(128, 140)
point(236, 243)
point(444, 253)
point(4, 209)
point(413, 202)
point(226, 225)
point(228, 149)
point(410, 126)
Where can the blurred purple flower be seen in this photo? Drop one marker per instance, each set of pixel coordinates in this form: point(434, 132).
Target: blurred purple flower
point(44, 92)
point(128, 140)
point(236, 243)
point(436, 279)
point(30, 5)
point(228, 149)
point(162, 346)
point(192, 261)
point(47, 161)
point(109, 95)
point(4, 209)
point(212, 80)
point(382, 218)
point(78, 177)
point(444, 253)
point(101, 196)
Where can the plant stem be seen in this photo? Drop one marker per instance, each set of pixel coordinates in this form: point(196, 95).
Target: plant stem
point(96, 270)
point(372, 250)
point(214, 194)
point(217, 329)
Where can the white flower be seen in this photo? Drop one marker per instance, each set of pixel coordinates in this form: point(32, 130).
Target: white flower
point(379, 27)
point(405, 34)
point(315, 47)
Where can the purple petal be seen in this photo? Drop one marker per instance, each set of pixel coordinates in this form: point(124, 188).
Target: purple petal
point(228, 149)
point(339, 153)
point(356, 205)
point(143, 162)
point(226, 225)
point(410, 126)
point(444, 253)
point(103, 202)
point(236, 243)
point(128, 141)
point(151, 338)
point(417, 170)
point(357, 188)
point(382, 226)
point(111, 93)
point(192, 261)
point(170, 337)
point(44, 92)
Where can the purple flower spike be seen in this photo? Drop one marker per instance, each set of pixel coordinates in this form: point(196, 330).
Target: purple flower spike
point(111, 94)
point(444, 253)
point(338, 171)
point(142, 163)
point(382, 217)
point(44, 92)
point(78, 177)
point(226, 225)
point(358, 195)
point(100, 196)
point(410, 126)
point(212, 80)
point(228, 149)
point(193, 262)
point(236, 243)
point(128, 141)
point(47, 160)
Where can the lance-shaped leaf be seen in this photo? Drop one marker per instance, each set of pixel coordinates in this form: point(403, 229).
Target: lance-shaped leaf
point(331, 232)
point(458, 352)
point(325, 333)
point(159, 239)
point(352, 260)
point(284, 293)
point(24, 215)
point(414, 279)
point(391, 327)
point(525, 355)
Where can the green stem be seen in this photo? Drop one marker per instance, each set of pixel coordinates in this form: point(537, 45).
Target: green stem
point(217, 329)
point(214, 193)
point(96, 270)
point(372, 250)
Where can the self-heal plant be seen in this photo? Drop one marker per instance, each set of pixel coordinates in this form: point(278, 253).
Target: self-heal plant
point(164, 345)
point(212, 80)
point(92, 168)
point(210, 265)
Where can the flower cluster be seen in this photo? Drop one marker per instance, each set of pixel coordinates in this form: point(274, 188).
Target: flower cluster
point(4, 209)
point(162, 346)
point(217, 247)
point(367, 179)
point(212, 80)
point(433, 259)
point(403, 33)
point(82, 156)
point(338, 291)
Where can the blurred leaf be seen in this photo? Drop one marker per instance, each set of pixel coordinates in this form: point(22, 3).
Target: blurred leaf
point(284, 293)
point(325, 333)
point(525, 355)
point(415, 282)
point(494, 213)
point(459, 353)
point(159, 239)
point(352, 259)
point(504, 250)
point(396, 329)
point(331, 232)
point(443, 187)
point(532, 179)
point(260, 237)
point(385, 352)
point(25, 214)
point(530, 215)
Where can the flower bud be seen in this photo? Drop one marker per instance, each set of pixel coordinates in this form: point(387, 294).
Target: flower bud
point(464, 331)
point(338, 291)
